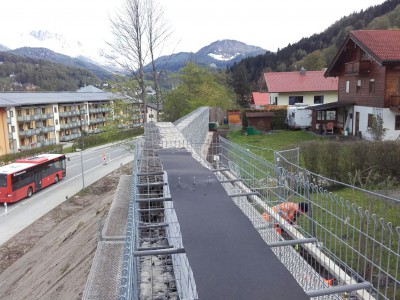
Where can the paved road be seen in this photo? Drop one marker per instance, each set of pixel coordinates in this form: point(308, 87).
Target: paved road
point(23, 213)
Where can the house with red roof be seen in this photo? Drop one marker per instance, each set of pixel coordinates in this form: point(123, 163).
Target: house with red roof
point(305, 87)
point(259, 100)
point(367, 66)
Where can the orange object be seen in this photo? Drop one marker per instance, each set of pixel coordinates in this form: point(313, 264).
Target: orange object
point(276, 226)
point(329, 281)
point(287, 210)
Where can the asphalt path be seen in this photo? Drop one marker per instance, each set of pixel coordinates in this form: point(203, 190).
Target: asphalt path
point(19, 215)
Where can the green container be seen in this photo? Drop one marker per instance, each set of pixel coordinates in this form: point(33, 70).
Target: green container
point(212, 126)
point(250, 131)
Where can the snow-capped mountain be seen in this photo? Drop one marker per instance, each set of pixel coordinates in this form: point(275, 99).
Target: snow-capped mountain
point(219, 54)
point(55, 47)
point(55, 42)
point(58, 43)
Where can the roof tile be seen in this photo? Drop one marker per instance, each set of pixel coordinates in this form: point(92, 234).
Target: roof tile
point(383, 44)
point(260, 98)
point(306, 81)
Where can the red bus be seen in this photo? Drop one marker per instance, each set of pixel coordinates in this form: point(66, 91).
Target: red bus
point(27, 176)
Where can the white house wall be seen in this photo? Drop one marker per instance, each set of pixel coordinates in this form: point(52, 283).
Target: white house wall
point(388, 122)
point(272, 97)
point(308, 97)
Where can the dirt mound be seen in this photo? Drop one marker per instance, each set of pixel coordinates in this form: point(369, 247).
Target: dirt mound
point(51, 258)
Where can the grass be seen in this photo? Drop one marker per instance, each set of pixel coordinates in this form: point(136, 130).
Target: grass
point(264, 145)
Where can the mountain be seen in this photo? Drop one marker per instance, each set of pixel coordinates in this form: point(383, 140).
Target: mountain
point(3, 48)
point(49, 55)
point(83, 52)
point(218, 55)
point(21, 73)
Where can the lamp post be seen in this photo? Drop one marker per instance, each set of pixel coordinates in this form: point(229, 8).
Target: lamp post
point(83, 147)
point(83, 173)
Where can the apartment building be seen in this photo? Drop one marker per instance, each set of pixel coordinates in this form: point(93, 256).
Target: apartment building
point(32, 120)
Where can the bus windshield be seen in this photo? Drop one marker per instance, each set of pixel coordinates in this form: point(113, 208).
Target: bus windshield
point(3, 180)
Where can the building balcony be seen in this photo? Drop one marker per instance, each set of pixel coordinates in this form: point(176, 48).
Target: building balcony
point(70, 113)
point(48, 142)
point(99, 110)
point(30, 132)
point(49, 129)
point(66, 138)
point(98, 120)
point(356, 68)
point(25, 118)
point(70, 125)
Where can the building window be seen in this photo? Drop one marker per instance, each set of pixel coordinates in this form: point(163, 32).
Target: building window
point(56, 121)
point(295, 99)
point(12, 128)
point(43, 110)
point(318, 99)
point(329, 115)
point(372, 85)
point(19, 113)
point(358, 89)
point(398, 87)
point(27, 112)
point(370, 120)
point(347, 86)
point(397, 123)
point(55, 110)
point(11, 114)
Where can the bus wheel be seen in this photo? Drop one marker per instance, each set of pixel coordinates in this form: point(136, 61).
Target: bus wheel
point(56, 179)
point(30, 192)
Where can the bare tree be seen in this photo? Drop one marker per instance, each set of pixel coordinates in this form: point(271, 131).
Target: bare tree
point(157, 34)
point(140, 32)
point(128, 28)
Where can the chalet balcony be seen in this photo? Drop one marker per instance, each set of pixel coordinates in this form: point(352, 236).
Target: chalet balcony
point(395, 103)
point(356, 68)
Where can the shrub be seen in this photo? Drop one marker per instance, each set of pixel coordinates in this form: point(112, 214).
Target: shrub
point(360, 163)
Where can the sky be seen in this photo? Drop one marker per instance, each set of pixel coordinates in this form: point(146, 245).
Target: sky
point(195, 24)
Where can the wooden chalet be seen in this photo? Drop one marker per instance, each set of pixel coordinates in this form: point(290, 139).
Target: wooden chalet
point(368, 68)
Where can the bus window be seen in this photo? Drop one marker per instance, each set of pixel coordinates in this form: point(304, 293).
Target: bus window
point(3, 180)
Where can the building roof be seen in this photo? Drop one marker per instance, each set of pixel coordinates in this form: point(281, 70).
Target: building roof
point(154, 106)
point(260, 98)
point(327, 106)
point(299, 81)
point(383, 45)
point(8, 99)
point(90, 89)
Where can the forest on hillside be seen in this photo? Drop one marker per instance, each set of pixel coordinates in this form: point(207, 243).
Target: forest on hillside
point(19, 73)
point(312, 53)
